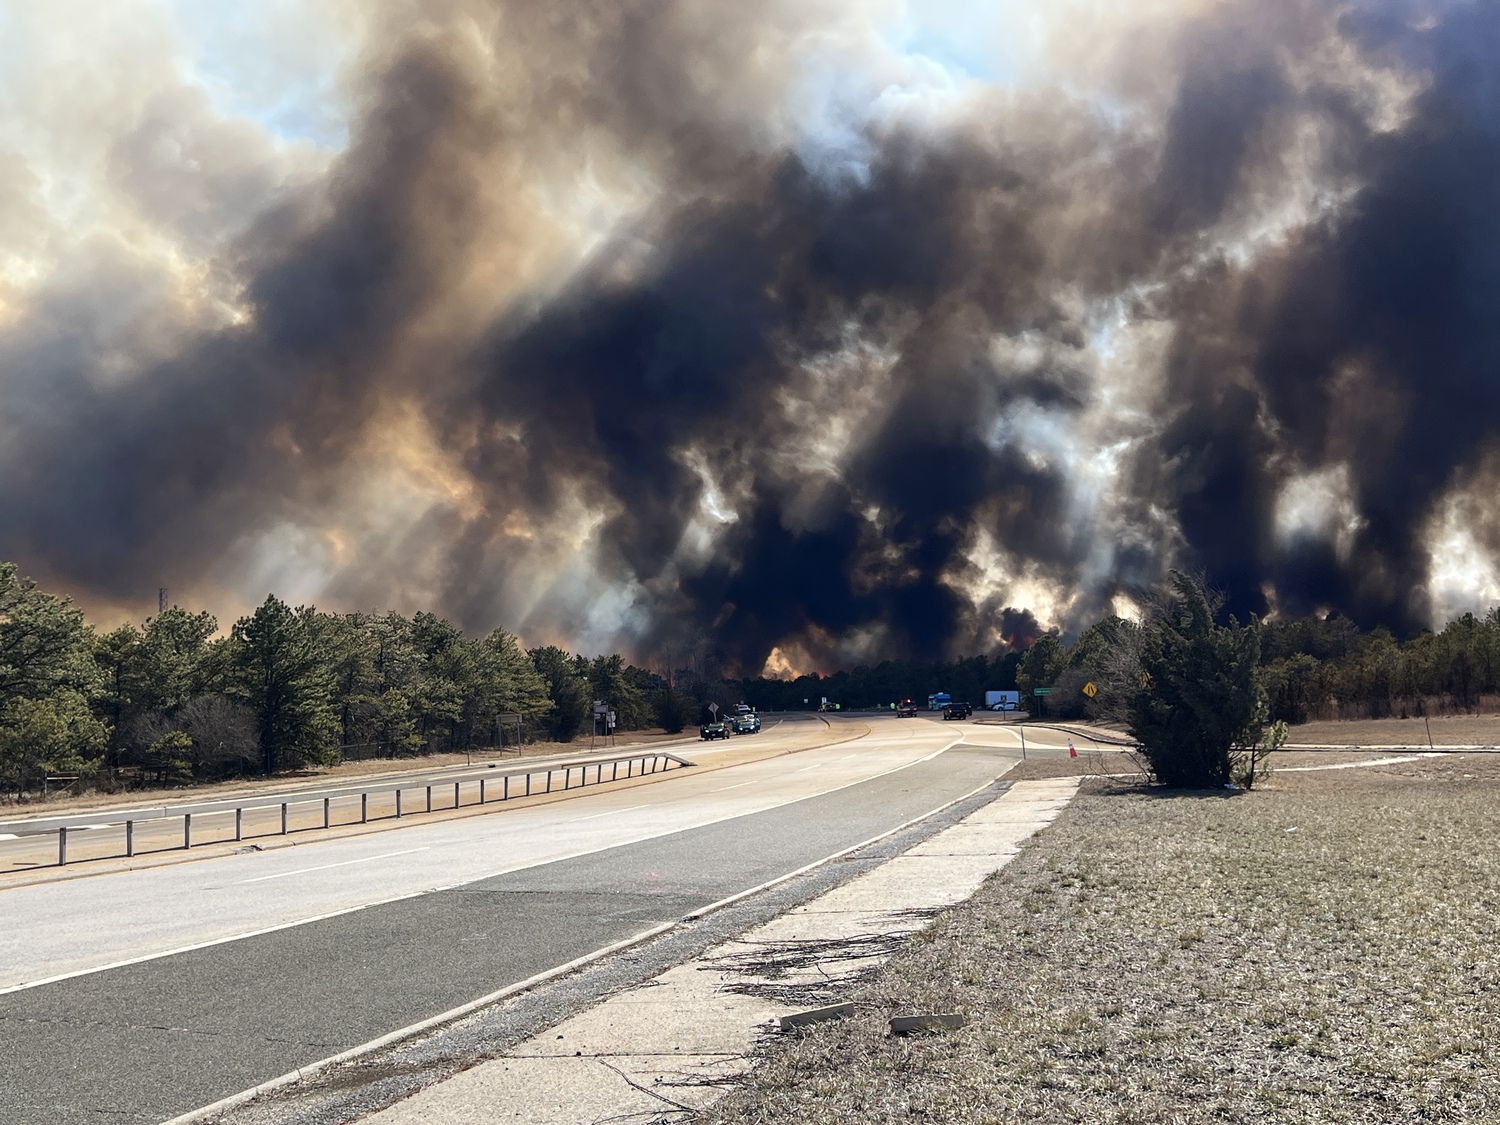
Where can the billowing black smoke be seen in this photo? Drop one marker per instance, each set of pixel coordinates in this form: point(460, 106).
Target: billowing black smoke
point(1007, 365)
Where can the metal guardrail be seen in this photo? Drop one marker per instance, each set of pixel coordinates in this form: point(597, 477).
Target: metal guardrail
point(507, 785)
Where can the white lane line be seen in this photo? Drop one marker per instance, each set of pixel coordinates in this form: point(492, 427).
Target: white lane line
point(727, 788)
point(1351, 765)
point(540, 862)
point(814, 766)
point(612, 812)
point(326, 866)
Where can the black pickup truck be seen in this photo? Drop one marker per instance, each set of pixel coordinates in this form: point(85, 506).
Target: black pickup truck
point(958, 711)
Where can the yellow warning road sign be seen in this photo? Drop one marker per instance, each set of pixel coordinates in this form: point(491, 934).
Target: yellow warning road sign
point(1090, 690)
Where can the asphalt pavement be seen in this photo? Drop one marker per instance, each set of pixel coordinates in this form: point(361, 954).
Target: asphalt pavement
point(144, 1041)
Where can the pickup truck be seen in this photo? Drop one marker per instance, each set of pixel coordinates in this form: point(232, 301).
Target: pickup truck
point(958, 711)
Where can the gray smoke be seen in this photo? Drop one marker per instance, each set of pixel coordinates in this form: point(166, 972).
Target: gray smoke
point(596, 330)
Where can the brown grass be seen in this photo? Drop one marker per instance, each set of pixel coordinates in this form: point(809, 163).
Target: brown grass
point(1157, 958)
point(1451, 730)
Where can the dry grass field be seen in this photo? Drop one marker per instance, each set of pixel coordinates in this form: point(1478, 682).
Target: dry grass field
point(1320, 950)
point(1450, 730)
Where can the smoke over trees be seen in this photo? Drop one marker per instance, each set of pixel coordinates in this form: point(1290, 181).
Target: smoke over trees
point(750, 330)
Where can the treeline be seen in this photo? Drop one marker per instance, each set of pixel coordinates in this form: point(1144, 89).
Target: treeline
point(169, 702)
point(1313, 667)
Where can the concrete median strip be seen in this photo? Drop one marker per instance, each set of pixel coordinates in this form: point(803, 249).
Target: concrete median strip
point(673, 1044)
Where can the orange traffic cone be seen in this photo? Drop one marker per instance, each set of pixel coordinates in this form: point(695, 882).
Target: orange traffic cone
point(1071, 752)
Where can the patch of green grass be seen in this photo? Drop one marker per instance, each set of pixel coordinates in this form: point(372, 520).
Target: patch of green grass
point(1185, 959)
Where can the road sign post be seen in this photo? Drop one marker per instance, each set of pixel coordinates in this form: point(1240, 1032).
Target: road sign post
point(600, 710)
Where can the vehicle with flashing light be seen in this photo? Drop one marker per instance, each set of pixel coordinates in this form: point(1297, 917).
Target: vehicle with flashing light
point(906, 710)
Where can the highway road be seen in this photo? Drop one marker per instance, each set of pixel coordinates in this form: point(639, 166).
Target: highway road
point(139, 995)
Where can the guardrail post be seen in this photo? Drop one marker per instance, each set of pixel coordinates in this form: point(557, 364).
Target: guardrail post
point(283, 818)
point(239, 825)
point(62, 846)
point(398, 804)
point(549, 782)
point(505, 788)
point(481, 790)
point(129, 838)
point(528, 783)
point(614, 770)
point(364, 808)
point(455, 793)
point(429, 798)
point(327, 818)
point(187, 830)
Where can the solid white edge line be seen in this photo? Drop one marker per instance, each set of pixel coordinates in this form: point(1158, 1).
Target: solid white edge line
point(246, 934)
point(292, 1077)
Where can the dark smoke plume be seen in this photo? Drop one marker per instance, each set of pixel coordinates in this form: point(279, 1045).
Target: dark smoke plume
point(587, 334)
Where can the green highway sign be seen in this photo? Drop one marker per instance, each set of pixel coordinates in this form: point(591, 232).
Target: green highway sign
point(1041, 691)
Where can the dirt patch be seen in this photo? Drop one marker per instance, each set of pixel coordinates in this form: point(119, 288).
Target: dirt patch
point(1317, 951)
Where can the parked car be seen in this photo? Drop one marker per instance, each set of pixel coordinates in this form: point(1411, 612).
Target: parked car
point(710, 731)
point(958, 711)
